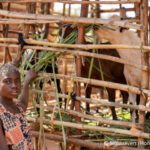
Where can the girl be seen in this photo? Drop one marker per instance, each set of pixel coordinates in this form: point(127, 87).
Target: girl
point(14, 133)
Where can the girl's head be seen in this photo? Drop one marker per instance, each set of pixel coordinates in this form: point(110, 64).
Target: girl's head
point(9, 81)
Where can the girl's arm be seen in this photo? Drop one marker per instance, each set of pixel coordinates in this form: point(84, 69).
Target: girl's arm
point(3, 144)
point(24, 97)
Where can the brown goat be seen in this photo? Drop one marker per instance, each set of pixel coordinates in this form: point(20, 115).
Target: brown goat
point(112, 71)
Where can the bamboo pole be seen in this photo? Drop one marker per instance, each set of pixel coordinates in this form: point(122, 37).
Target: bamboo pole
point(78, 61)
point(7, 55)
point(90, 117)
point(84, 143)
point(19, 21)
point(92, 46)
point(22, 7)
point(114, 10)
point(80, 126)
point(30, 8)
point(103, 102)
point(115, 104)
point(67, 19)
point(137, 10)
point(98, 10)
point(82, 53)
point(76, 141)
point(94, 82)
point(64, 9)
point(12, 31)
point(145, 61)
point(79, 46)
point(74, 1)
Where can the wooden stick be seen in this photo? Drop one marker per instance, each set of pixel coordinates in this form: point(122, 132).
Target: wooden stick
point(98, 119)
point(103, 102)
point(79, 46)
point(19, 21)
point(66, 19)
point(94, 55)
point(82, 53)
point(115, 10)
point(78, 59)
point(145, 61)
point(138, 133)
point(80, 142)
point(84, 143)
point(73, 2)
point(94, 82)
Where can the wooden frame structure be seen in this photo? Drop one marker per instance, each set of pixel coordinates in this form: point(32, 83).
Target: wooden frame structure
point(139, 23)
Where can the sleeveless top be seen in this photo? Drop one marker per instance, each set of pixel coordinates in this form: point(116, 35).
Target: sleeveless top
point(15, 129)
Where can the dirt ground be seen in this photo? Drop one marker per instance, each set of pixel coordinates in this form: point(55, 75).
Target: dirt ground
point(51, 145)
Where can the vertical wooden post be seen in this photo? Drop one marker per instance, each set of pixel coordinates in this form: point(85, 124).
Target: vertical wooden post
point(92, 11)
point(137, 10)
point(95, 10)
point(81, 32)
point(149, 26)
point(69, 10)
point(7, 55)
point(30, 8)
point(98, 13)
point(64, 9)
point(145, 61)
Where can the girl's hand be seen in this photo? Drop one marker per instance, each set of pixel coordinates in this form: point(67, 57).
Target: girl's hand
point(30, 75)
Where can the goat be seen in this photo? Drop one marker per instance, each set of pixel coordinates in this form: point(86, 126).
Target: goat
point(112, 71)
point(132, 74)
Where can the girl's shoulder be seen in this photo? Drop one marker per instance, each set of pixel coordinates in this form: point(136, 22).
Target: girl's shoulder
point(18, 107)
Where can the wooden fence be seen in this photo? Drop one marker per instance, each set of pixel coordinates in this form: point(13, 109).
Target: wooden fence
point(30, 17)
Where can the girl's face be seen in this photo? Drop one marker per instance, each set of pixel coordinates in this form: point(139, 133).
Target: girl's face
point(10, 85)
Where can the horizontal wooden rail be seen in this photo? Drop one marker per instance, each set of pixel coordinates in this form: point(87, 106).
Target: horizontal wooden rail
point(115, 10)
point(97, 119)
point(93, 55)
point(102, 102)
point(81, 142)
point(83, 53)
point(73, 1)
point(78, 46)
point(138, 133)
point(67, 19)
point(25, 21)
point(94, 82)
